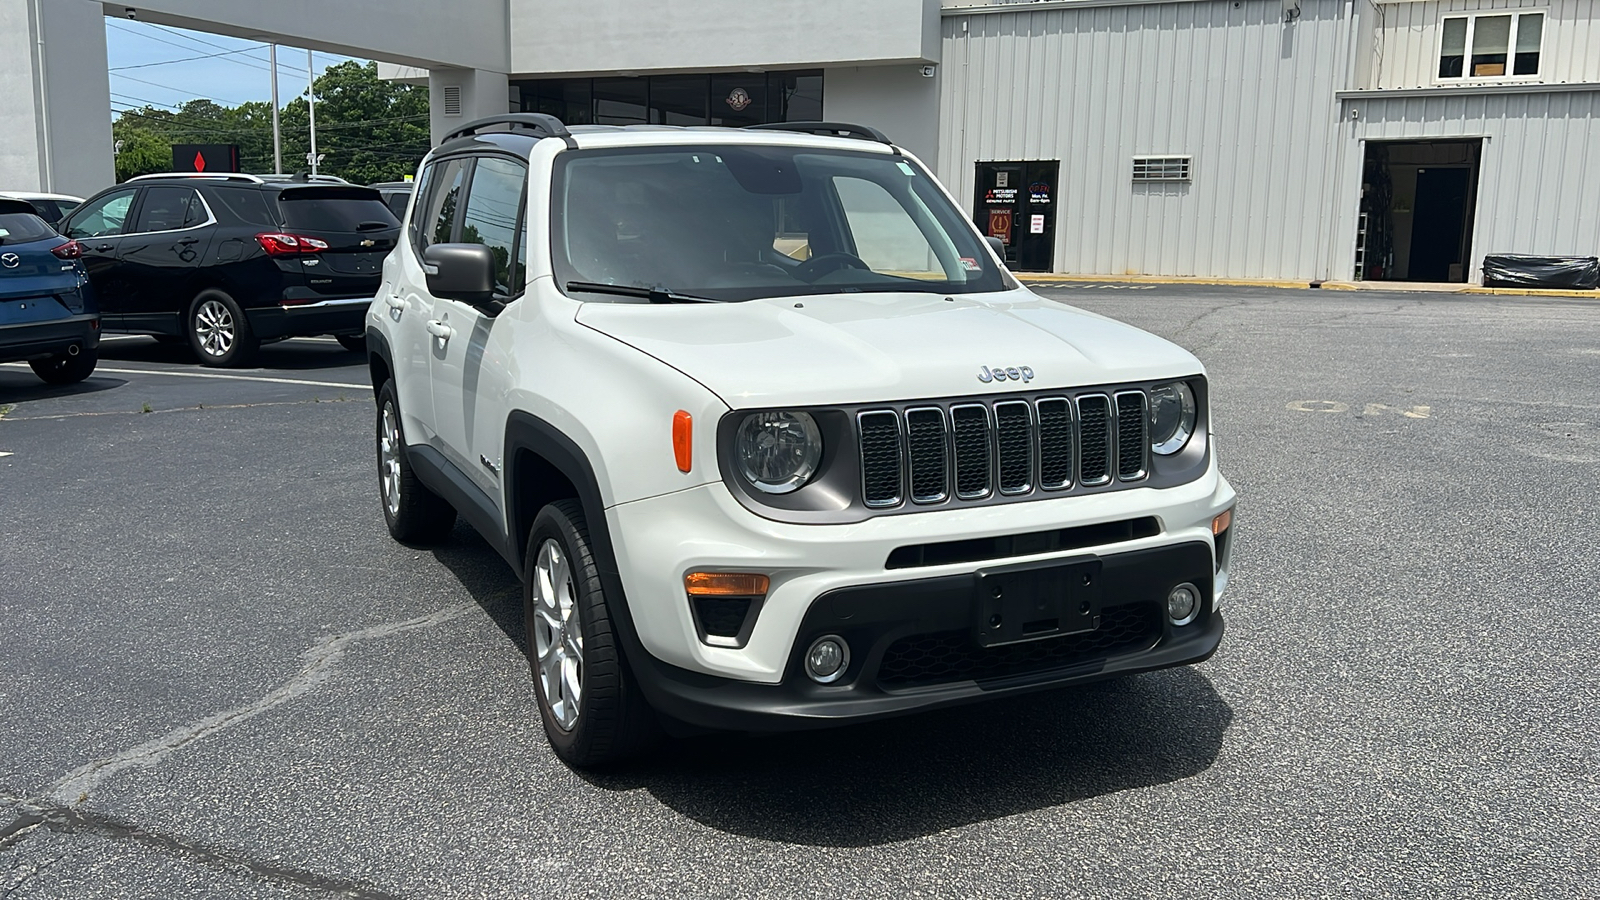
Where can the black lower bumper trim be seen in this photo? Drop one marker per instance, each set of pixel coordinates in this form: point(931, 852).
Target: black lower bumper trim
point(34, 340)
point(913, 649)
point(303, 321)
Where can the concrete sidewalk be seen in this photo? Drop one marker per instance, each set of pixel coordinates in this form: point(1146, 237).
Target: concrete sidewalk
point(1412, 286)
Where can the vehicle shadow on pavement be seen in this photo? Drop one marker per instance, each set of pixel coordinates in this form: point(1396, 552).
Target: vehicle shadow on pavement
point(285, 355)
point(21, 386)
point(488, 579)
point(911, 777)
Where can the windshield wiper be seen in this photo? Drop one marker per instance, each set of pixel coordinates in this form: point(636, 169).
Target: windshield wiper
point(654, 295)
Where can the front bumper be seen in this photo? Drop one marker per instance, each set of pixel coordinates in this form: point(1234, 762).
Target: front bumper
point(36, 340)
point(658, 540)
point(336, 316)
point(913, 649)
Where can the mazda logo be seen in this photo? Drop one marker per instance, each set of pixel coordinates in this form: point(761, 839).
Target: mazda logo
point(10, 260)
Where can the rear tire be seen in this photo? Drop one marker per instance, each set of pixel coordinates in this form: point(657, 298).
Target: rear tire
point(64, 368)
point(218, 332)
point(355, 343)
point(589, 702)
point(414, 514)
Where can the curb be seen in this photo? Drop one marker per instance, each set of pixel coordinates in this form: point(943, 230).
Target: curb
point(1055, 278)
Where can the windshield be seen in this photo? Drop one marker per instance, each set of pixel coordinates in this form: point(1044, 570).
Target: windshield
point(741, 222)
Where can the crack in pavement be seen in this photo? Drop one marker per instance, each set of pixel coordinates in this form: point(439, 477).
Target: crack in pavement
point(70, 820)
point(57, 808)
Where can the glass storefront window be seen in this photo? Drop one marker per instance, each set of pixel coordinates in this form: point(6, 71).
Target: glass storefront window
point(732, 99)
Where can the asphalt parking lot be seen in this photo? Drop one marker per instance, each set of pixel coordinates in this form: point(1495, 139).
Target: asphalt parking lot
point(222, 679)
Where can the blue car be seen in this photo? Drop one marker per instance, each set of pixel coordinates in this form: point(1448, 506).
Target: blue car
point(48, 314)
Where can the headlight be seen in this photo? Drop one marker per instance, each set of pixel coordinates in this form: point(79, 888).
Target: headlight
point(1172, 417)
point(778, 451)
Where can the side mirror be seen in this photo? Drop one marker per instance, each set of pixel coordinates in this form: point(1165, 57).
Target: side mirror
point(462, 272)
point(998, 246)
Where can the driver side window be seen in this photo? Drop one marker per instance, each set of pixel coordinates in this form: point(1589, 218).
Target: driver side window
point(103, 217)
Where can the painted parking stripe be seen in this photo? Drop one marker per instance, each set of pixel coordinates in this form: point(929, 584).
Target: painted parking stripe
point(219, 375)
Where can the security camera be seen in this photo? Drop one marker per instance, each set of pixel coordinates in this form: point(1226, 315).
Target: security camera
point(927, 71)
point(131, 13)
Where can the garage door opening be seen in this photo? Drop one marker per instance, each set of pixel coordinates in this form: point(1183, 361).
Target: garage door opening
point(1417, 202)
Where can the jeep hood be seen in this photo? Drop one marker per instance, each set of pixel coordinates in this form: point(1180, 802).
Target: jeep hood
point(864, 348)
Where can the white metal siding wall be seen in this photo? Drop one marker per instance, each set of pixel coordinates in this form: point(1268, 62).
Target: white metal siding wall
point(1407, 46)
point(1248, 96)
point(1539, 178)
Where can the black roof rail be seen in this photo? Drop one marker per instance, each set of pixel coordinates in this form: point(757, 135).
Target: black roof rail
point(831, 129)
point(540, 125)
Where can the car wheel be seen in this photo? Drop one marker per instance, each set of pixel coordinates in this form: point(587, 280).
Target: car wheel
point(64, 368)
point(591, 706)
point(218, 332)
point(414, 514)
point(355, 343)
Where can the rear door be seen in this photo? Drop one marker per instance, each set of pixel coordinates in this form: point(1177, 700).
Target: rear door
point(465, 373)
point(357, 228)
point(99, 226)
point(160, 257)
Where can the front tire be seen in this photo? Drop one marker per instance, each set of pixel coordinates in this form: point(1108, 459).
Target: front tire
point(414, 514)
point(64, 368)
point(592, 710)
point(218, 332)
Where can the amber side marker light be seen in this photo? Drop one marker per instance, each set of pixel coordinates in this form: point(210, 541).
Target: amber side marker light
point(725, 584)
point(683, 439)
point(1221, 522)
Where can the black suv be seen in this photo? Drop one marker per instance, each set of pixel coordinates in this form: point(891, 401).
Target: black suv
point(226, 262)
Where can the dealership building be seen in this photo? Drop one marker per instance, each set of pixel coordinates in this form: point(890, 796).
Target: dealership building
point(1301, 140)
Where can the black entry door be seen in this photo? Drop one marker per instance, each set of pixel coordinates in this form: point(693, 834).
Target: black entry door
point(1016, 203)
point(1440, 220)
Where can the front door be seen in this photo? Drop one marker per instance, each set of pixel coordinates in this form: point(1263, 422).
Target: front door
point(160, 257)
point(1016, 203)
point(98, 227)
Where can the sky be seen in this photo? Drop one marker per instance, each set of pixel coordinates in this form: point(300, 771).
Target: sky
point(146, 68)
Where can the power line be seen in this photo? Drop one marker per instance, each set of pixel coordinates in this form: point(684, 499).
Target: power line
point(168, 62)
point(169, 87)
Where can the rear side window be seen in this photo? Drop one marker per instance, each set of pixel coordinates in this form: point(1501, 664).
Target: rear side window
point(247, 205)
point(493, 217)
point(168, 209)
point(334, 209)
point(102, 217)
point(18, 228)
point(433, 222)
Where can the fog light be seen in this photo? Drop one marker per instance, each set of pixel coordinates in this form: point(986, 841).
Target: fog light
point(1183, 604)
point(827, 659)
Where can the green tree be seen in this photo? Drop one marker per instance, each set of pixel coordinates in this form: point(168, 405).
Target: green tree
point(368, 129)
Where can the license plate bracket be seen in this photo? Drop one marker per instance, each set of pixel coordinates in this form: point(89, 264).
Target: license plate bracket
point(1034, 601)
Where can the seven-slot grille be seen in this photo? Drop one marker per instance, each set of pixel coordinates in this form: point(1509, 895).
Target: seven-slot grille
point(972, 450)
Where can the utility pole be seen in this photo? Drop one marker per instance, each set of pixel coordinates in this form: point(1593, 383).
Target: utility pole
point(311, 104)
point(277, 136)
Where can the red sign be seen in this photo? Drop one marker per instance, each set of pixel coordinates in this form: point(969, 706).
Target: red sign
point(1000, 224)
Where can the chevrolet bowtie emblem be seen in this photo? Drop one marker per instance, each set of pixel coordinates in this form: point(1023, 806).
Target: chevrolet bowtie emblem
point(369, 243)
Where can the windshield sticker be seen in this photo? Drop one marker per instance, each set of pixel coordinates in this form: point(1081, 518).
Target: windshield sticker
point(906, 168)
point(970, 264)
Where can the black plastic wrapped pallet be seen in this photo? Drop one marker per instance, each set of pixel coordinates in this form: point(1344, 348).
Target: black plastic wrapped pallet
point(1580, 272)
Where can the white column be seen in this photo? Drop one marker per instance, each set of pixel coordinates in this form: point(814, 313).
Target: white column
point(482, 93)
point(54, 97)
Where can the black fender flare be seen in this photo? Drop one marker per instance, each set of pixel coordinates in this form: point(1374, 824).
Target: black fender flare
point(378, 347)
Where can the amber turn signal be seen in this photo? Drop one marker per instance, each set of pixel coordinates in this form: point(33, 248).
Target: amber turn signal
point(683, 439)
point(1221, 523)
point(725, 584)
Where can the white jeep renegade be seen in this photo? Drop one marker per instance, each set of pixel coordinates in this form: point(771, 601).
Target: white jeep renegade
point(774, 439)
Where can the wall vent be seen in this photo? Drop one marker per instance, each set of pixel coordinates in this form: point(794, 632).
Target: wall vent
point(1161, 168)
point(452, 100)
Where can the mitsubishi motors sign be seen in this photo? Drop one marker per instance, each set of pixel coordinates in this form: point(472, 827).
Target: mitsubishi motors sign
point(205, 158)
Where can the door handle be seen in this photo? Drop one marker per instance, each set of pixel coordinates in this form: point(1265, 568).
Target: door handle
point(439, 329)
point(395, 303)
point(188, 240)
point(103, 248)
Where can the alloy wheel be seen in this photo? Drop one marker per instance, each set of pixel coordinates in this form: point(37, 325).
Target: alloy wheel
point(214, 326)
point(558, 634)
point(389, 460)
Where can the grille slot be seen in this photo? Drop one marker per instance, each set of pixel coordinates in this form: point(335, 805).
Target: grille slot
point(928, 445)
point(880, 458)
point(1013, 427)
point(971, 426)
point(1132, 421)
point(945, 656)
point(1094, 439)
point(1055, 443)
